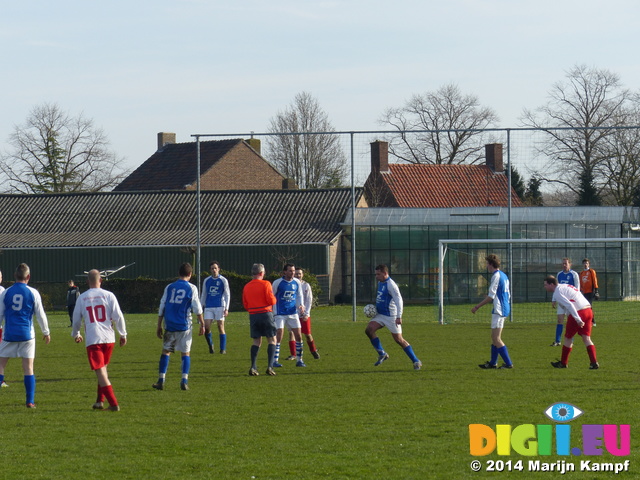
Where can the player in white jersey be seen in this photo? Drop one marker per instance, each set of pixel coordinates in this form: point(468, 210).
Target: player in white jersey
point(389, 305)
point(215, 299)
point(305, 318)
point(18, 305)
point(566, 276)
point(579, 320)
point(99, 310)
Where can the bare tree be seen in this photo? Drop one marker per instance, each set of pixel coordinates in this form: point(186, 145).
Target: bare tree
point(451, 123)
point(54, 152)
point(578, 121)
point(302, 146)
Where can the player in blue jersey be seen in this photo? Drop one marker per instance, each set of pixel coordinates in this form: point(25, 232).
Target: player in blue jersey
point(179, 301)
point(287, 311)
point(389, 305)
point(565, 277)
point(215, 298)
point(499, 294)
point(18, 305)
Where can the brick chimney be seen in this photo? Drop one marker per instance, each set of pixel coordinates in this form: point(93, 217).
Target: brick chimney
point(165, 138)
point(289, 184)
point(255, 144)
point(493, 153)
point(379, 157)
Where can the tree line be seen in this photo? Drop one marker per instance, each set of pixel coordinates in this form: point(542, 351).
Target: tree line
point(590, 148)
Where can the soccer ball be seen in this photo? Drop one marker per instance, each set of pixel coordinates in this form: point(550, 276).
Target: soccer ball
point(370, 310)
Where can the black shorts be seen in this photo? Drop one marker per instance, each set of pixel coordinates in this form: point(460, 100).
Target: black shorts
point(262, 325)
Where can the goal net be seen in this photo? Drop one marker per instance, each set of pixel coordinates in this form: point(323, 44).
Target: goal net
point(463, 279)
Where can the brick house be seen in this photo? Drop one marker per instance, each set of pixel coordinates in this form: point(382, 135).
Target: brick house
point(234, 164)
point(437, 186)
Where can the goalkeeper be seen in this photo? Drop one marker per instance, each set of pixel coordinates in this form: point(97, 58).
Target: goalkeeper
point(589, 283)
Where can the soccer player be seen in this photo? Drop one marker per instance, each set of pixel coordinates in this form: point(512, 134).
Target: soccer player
point(589, 284)
point(580, 319)
point(566, 277)
point(99, 310)
point(18, 305)
point(179, 301)
point(305, 318)
point(389, 305)
point(215, 298)
point(258, 300)
point(499, 294)
point(73, 292)
point(288, 308)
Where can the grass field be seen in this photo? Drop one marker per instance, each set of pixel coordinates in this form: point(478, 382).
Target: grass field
point(340, 418)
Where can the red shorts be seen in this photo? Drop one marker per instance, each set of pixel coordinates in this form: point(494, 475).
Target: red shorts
point(99, 355)
point(305, 326)
point(586, 315)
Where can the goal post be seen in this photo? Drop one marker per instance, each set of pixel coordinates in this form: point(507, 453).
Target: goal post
point(527, 262)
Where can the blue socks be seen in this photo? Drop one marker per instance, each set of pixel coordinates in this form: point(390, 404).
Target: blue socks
point(505, 355)
point(377, 344)
point(164, 365)
point(30, 387)
point(494, 355)
point(409, 351)
point(559, 328)
point(209, 338)
point(223, 341)
point(186, 364)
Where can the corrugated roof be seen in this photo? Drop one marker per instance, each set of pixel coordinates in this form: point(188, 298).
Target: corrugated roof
point(259, 217)
point(174, 166)
point(446, 186)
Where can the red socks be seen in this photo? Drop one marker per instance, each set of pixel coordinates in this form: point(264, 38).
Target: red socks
point(565, 355)
point(591, 350)
point(108, 393)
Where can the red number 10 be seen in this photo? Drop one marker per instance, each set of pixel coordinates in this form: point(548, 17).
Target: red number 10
point(97, 313)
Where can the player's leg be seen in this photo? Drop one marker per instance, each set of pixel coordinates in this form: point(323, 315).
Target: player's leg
point(207, 331)
point(408, 349)
point(371, 331)
point(163, 366)
point(292, 346)
point(3, 364)
point(305, 328)
point(500, 347)
point(271, 351)
point(222, 335)
point(29, 381)
point(186, 367)
point(567, 343)
point(279, 321)
point(297, 335)
point(559, 328)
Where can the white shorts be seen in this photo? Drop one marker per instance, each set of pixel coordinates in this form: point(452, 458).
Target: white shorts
point(560, 310)
point(290, 321)
point(181, 341)
point(389, 322)
point(26, 349)
point(214, 313)
point(497, 321)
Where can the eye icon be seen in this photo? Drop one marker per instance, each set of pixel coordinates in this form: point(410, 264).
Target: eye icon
point(562, 412)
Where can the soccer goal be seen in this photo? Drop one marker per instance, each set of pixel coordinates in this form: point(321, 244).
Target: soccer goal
point(463, 279)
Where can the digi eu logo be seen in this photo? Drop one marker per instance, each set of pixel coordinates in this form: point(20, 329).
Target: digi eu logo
point(530, 440)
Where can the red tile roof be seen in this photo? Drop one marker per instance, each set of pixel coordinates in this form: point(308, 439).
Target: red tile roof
point(442, 186)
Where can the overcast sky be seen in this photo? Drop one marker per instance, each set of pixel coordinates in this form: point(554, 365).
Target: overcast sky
point(208, 66)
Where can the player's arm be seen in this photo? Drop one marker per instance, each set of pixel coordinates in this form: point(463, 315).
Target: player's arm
point(77, 322)
point(41, 317)
point(163, 301)
point(568, 306)
point(196, 307)
point(594, 278)
point(484, 301)
point(203, 294)
point(576, 279)
point(226, 296)
point(394, 291)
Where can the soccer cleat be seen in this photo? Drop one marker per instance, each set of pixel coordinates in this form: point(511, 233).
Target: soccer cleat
point(98, 406)
point(417, 365)
point(4, 385)
point(159, 385)
point(487, 365)
point(594, 324)
point(223, 352)
point(300, 363)
point(253, 372)
point(594, 366)
point(504, 365)
point(276, 365)
point(184, 386)
point(291, 357)
point(31, 405)
point(316, 355)
point(114, 408)
point(555, 344)
point(270, 372)
point(381, 358)
point(558, 364)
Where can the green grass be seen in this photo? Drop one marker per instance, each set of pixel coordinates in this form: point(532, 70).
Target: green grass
point(339, 418)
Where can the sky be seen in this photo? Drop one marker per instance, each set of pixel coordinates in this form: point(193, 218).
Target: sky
point(208, 66)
